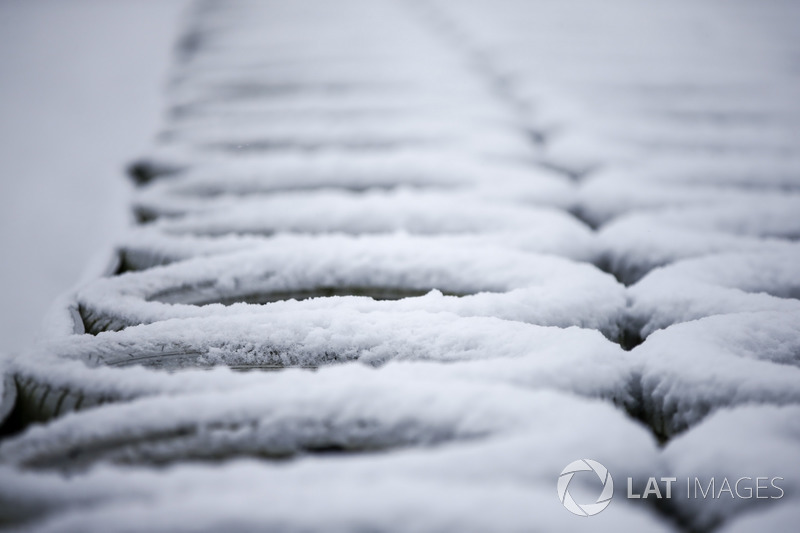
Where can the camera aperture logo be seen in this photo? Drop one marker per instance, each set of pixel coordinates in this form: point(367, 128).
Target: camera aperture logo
point(585, 509)
point(698, 488)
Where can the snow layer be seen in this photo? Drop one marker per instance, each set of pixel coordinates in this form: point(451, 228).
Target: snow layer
point(79, 94)
point(507, 284)
point(322, 336)
point(373, 212)
point(717, 284)
point(352, 409)
point(746, 210)
point(774, 518)
point(766, 443)
point(389, 183)
point(203, 181)
point(690, 369)
point(721, 89)
point(8, 390)
point(472, 135)
point(487, 349)
point(633, 245)
point(151, 247)
point(378, 489)
point(353, 171)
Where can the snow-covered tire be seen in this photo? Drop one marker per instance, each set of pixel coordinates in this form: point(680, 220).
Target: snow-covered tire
point(504, 283)
point(691, 369)
point(576, 360)
point(556, 427)
point(706, 452)
point(8, 395)
point(344, 410)
point(717, 284)
point(638, 242)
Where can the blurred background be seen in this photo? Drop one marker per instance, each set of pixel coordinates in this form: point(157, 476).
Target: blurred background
point(81, 86)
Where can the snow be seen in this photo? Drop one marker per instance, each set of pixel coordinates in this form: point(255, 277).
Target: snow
point(377, 487)
point(588, 72)
point(419, 168)
point(749, 211)
point(398, 263)
point(766, 440)
point(370, 212)
point(777, 518)
point(690, 369)
point(150, 247)
point(80, 93)
point(441, 217)
point(633, 245)
point(533, 288)
point(717, 284)
point(576, 360)
point(335, 504)
point(366, 131)
point(350, 409)
point(8, 391)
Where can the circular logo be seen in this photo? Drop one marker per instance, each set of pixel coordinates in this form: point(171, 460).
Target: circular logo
point(585, 509)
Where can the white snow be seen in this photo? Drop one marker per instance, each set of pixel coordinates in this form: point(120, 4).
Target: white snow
point(367, 291)
point(351, 408)
point(504, 472)
point(766, 442)
point(716, 284)
point(577, 360)
point(416, 212)
point(633, 245)
point(486, 281)
point(424, 168)
point(8, 391)
point(79, 95)
point(690, 369)
point(746, 210)
point(774, 518)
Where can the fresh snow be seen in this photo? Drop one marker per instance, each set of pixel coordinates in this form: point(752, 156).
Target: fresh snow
point(79, 96)
point(398, 263)
point(484, 281)
point(495, 467)
point(690, 369)
point(766, 438)
point(717, 284)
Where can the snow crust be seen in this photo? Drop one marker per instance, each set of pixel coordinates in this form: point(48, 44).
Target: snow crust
point(373, 285)
point(540, 229)
point(690, 369)
point(766, 440)
point(390, 486)
point(717, 284)
point(503, 283)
